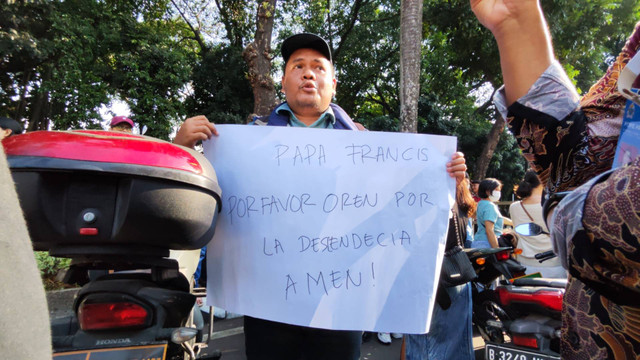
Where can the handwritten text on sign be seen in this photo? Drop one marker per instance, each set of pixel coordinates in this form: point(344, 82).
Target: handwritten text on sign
point(329, 228)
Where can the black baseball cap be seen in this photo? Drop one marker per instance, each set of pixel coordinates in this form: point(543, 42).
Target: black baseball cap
point(304, 41)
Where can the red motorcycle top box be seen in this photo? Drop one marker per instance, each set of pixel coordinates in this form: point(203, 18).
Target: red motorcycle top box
point(87, 192)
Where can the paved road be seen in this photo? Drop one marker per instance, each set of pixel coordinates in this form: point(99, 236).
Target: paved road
point(229, 339)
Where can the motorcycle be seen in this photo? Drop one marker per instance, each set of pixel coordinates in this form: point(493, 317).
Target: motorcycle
point(520, 318)
point(489, 264)
point(116, 204)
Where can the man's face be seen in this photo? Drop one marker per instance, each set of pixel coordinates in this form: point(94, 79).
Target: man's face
point(308, 83)
point(474, 187)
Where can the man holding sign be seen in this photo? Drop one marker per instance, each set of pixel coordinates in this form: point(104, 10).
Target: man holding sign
point(308, 83)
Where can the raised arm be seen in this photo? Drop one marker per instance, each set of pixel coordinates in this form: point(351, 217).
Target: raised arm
point(523, 41)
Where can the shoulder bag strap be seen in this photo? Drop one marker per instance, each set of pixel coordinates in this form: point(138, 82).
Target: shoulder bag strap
point(455, 222)
point(526, 212)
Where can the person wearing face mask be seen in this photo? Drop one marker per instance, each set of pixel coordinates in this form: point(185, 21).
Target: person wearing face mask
point(490, 221)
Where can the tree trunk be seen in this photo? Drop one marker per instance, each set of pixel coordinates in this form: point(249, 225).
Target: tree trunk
point(482, 166)
point(410, 50)
point(258, 56)
point(24, 89)
point(38, 119)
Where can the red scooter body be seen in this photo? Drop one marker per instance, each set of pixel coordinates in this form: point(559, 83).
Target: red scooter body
point(528, 310)
point(101, 192)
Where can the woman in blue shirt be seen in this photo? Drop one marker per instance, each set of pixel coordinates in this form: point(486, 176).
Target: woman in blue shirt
point(490, 221)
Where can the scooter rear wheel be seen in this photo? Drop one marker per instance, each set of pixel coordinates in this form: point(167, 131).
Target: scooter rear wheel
point(485, 309)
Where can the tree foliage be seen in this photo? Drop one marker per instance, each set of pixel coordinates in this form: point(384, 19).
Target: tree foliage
point(213, 95)
point(63, 60)
point(586, 35)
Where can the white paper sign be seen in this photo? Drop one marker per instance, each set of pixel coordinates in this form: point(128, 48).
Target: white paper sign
point(328, 228)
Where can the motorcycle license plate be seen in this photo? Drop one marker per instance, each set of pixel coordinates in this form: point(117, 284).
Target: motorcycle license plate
point(502, 352)
point(149, 352)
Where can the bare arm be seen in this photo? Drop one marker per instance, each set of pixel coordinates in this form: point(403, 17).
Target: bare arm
point(523, 41)
point(491, 236)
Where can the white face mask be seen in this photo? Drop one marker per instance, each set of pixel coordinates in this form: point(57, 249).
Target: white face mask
point(495, 195)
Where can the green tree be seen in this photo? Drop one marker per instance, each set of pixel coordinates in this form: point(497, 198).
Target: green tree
point(219, 84)
point(221, 90)
point(63, 60)
point(586, 34)
point(364, 38)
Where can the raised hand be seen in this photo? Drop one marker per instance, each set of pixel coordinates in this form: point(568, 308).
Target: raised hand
point(494, 13)
point(523, 40)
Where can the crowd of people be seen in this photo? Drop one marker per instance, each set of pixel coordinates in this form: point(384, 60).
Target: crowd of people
point(308, 85)
point(568, 143)
point(537, 93)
